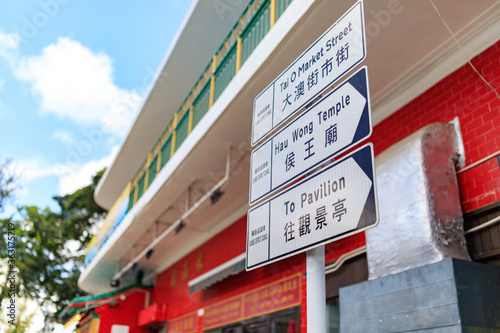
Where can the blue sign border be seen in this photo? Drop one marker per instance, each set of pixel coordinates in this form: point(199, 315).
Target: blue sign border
point(369, 217)
point(359, 81)
point(340, 76)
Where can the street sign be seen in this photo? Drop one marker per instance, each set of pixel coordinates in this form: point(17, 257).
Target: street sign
point(335, 53)
point(338, 121)
point(333, 203)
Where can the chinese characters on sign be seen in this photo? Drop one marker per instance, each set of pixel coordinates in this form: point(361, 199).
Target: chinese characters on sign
point(262, 237)
point(336, 52)
point(222, 313)
point(339, 120)
point(338, 200)
point(184, 324)
point(275, 296)
point(335, 202)
point(185, 272)
point(305, 220)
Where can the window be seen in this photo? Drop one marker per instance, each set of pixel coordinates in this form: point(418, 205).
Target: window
point(333, 315)
point(353, 271)
point(257, 328)
point(285, 324)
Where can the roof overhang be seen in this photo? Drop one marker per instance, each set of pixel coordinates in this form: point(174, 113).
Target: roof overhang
point(86, 303)
point(404, 59)
point(188, 55)
point(420, 49)
point(219, 273)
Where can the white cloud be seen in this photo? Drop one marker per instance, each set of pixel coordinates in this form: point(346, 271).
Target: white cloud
point(74, 82)
point(64, 137)
point(34, 168)
point(71, 178)
point(9, 44)
point(28, 170)
point(78, 177)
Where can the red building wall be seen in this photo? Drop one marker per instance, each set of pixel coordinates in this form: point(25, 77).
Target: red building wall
point(126, 313)
point(225, 246)
point(462, 94)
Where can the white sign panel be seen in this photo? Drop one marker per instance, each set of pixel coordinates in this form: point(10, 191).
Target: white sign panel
point(339, 120)
point(335, 53)
point(336, 202)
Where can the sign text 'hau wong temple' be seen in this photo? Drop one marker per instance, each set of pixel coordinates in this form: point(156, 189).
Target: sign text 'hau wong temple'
point(368, 132)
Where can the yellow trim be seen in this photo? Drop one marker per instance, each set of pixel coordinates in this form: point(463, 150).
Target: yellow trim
point(212, 82)
point(172, 147)
point(94, 325)
point(238, 54)
point(231, 299)
point(273, 12)
point(158, 162)
point(291, 277)
point(125, 193)
point(212, 92)
point(146, 177)
point(190, 123)
point(74, 319)
point(241, 298)
point(174, 320)
point(174, 134)
point(214, 63)
point(136, 193)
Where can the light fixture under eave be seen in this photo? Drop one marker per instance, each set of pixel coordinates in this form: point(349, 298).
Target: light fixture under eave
point(215, 196)
point(179, 227)
point(113, 303)
point(149, 253)
point(115, 283)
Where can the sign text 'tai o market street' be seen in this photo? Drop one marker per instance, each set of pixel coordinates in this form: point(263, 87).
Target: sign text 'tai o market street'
point(337, 51)
point(338, 121)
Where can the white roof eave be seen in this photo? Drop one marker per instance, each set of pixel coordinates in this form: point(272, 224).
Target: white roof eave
point(188, 55)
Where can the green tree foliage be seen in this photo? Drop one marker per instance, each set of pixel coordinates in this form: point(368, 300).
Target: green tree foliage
point(80, 212)
point(24, 321)
point(51, 247)
point(7, 182)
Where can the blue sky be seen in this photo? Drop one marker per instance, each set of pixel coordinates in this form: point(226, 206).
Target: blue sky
point(72, 76)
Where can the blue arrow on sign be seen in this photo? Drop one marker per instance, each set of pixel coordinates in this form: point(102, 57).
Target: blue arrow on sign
point(341, 48)
point(337, 122)
point(335, 202)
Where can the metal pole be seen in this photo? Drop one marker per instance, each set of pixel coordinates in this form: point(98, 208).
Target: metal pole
point(316, 293)
point(179, 221)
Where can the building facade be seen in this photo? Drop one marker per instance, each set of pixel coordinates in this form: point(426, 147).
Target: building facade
point(171, 254)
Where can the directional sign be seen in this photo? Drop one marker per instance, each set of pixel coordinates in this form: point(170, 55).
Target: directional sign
point(335, 202)
point(338, 121)
point(335, 53)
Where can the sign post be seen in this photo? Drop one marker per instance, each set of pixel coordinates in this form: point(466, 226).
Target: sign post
point(334, 202)
point(316, 290)
point(339, 120)
point(334, 54)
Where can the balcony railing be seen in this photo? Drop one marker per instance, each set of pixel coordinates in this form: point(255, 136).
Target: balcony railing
point(255, 22)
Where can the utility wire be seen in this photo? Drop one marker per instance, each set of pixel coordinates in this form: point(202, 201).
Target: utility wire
point(461, 49)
